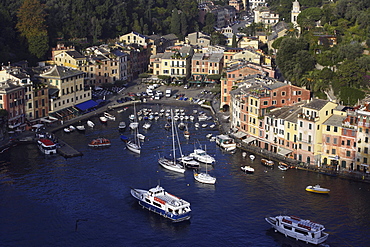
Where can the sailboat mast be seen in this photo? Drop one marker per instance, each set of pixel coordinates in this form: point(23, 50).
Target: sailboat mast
point(173, 138)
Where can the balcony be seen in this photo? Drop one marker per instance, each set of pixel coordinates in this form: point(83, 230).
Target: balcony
point(307, 117)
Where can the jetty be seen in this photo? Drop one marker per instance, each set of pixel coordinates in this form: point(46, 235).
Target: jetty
point(66, 150)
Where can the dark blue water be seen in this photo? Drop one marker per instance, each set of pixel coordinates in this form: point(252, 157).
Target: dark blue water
point(86, 201)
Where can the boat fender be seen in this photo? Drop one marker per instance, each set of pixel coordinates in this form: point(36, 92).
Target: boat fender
point(238, 145)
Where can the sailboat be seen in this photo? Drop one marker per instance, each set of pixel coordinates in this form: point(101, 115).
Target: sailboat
point(204, 177)
point(134, 145)
point(171, 164)
point(187, 161)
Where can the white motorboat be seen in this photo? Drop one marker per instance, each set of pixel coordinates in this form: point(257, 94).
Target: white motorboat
point(317, 189)
point(209, 135)
point(189, 162)
point(141, 137)
point(103, 119)
point(282, 166)
point(134, 125)
point(80, 127)
point(90, 124)
point(196, 125)
point(247, 169)
point(226, 142)
point(163, 203)
point(69, 129)
point(202, 156)
point(204, 125)
point(202, 118)
point(109, 116)
point(204, 177)
point(299, 229)
point(252, 157)
point(47, 146)
point(171, 164)
point(122, 125)
point(147, 126)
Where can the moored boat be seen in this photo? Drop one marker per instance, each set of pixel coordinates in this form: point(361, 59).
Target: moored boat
point(204, 177)
point(80, 127)
point(226, 142)
point(252, 157)
point(47, 146)
point(90, 124)
point(163, 203)
point(109, 116)
point(299, 229)
point(268, 163)
point(247, 169)
point(103, 119)
point(189, 162)
point(122, 125)
point(99, 142)
point(134, 125)
point(147, 126)
point(202, 156)
point(282, 166)
point(317, 189)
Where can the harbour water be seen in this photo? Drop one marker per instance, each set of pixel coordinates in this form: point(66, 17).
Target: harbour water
point(86, 201)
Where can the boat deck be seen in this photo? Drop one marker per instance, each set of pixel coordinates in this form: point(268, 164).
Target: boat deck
point(304, 223)
point(172, 200)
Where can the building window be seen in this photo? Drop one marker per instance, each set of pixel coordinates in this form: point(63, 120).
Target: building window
point(335, 129)
point(328, 128)
point(348, 153)
point(333, 151)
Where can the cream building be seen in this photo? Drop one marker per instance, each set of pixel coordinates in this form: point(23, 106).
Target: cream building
point(66, 87)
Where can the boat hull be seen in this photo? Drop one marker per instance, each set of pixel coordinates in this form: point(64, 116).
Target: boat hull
point(317, 190)
point(133, 147)
point(204, 178)
point(299, 235)
point(167, 164)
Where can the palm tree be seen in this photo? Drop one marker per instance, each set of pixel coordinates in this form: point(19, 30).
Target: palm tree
point(292, 31)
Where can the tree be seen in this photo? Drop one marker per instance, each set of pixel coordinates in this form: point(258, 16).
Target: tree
point(31, 25)
point(293, 59)
point(234, 41)
point(350, 74)
point(292, 31)
point(175, 22)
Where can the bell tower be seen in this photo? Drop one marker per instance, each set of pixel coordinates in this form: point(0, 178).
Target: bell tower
point(295, 12)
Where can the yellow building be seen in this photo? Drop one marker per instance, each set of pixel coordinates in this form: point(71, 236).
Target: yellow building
point(72, 59)
point(310, 130)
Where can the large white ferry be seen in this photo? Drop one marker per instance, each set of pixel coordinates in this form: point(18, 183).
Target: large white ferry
point(295, 227)
point(163, 203)
point(47, 146)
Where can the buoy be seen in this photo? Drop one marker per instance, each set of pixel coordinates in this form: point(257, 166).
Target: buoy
point(188, 184)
